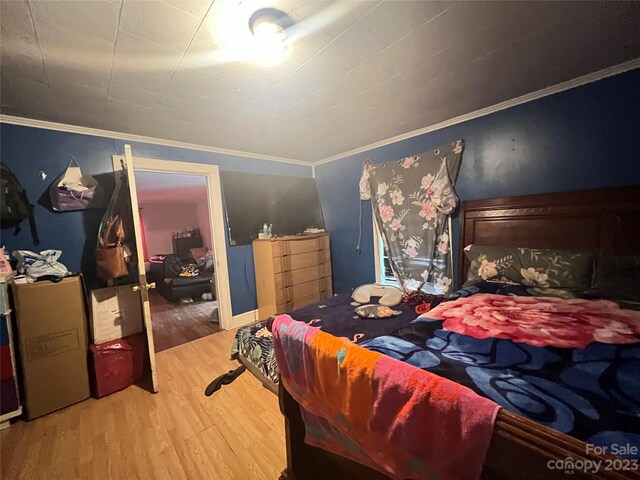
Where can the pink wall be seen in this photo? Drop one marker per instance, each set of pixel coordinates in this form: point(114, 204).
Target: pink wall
point(202, 212)
point(160, 219)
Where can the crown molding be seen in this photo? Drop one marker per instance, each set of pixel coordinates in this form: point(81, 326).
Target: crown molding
point(97, 132)
point(545, 92)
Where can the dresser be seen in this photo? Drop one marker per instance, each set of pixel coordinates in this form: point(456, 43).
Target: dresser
point(291, 272)
point(9, 398)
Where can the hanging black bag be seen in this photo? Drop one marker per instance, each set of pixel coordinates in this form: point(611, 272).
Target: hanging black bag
point(14, 204)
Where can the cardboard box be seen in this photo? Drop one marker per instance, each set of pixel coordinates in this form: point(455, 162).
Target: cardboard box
point(116, 312)
point(52, 331)
point(117, 364)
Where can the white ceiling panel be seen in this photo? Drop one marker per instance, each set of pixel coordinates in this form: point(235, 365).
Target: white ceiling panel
point(384, 19)
point(23, 62)
point(306, 43)
point(246, 86)
point(125, 92)
point(124, 75)
point(313, 105)
point(271, 75)
point(73, 57)
point(356, 72)
point(159, 22)
point(202, 58)
point(333, 18)
point(23, 94)
point(145, 56)
point(197, 8)
point(352, 48)
point(19, 50)
point(286, 94)
point(97, 18)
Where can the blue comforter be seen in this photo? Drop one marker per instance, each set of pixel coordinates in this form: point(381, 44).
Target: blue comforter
point(592, 394)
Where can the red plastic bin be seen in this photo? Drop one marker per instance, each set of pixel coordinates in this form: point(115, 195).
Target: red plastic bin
point(117, 364)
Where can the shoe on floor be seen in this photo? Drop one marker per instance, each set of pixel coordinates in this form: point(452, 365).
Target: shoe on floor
point(224, 379)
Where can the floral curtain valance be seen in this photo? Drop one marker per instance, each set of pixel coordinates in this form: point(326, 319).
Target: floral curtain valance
point(412, 199)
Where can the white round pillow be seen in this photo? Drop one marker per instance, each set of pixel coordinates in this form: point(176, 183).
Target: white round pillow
point(388, 294)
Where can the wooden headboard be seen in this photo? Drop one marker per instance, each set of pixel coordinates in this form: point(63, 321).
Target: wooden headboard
point(607, 219)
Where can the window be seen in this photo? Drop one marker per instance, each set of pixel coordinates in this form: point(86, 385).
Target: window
point(384, 273)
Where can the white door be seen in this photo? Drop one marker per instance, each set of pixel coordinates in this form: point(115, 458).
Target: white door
point(141, 286)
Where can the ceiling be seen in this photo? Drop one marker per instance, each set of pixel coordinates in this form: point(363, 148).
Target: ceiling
point(357, 72)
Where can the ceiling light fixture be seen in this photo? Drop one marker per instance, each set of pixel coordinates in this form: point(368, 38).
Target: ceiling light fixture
point(268, 26)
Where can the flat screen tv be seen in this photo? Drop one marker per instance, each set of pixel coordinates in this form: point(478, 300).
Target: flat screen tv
point(290, 204)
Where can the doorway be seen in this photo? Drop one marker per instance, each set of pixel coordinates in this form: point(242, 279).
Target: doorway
point(192, 297)
point(175, 229)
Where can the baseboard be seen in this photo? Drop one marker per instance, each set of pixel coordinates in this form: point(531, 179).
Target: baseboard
point(243, 319)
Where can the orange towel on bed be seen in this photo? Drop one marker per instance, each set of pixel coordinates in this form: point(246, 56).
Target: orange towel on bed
point(378, 411)
point(350, 391)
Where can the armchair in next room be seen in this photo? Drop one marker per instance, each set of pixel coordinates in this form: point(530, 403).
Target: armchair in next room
point(176, 279)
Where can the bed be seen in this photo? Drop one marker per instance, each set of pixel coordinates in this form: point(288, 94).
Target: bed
point(606, 219)
point(253, 345)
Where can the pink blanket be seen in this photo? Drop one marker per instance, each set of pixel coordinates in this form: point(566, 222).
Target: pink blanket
point(539, 321)
point(389, 415)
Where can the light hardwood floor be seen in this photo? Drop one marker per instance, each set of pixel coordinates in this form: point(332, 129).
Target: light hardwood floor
point(177, 433)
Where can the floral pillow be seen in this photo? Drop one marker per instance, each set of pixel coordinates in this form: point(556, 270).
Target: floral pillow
point(572, 269)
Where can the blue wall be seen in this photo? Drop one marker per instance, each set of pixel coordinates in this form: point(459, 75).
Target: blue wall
point(578, 139)
point(27, 151)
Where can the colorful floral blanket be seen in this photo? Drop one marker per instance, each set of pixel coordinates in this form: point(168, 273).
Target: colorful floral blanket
point(541, 322)
point(590, 393)
point(405, 422)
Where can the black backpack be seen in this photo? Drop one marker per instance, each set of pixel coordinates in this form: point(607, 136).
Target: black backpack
point(14, 204)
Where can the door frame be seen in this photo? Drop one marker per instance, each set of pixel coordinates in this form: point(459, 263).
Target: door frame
point(216, 220)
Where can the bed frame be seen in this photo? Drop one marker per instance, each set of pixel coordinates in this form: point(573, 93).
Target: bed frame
point(607, 219)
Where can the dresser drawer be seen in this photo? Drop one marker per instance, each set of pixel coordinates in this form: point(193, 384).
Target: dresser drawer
point(300, 260)
point(302, 275)
point(302, 290)
point(298, 303)
point(294, 247)
point(326, 288)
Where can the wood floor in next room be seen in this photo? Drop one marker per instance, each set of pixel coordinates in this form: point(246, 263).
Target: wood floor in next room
point(178, 433)
point(178, 323)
